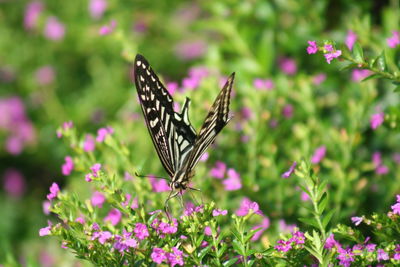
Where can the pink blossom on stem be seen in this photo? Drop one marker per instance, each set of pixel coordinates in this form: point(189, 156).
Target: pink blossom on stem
point(312, 47)
point(159, 185)
point(377, 120)
point(54, 30)
point(330, 56)
point(351, 38)
point(318, 155)
point(288, 66)
point(89, 143)
point(97, 8)
point(394, 40)
point(233, 182)
point(114, 217)
point(192, 49)
point(32, 13)
point(68, 166)
point(358, 75)
point(246, 205)
point(102, 133)
point(319, 78)
point(97, 199)
point(289, 172)
point(54, 190)
point(219, 170)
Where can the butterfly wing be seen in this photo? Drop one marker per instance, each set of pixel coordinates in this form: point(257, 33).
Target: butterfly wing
point(172, 133)
point(217, 118)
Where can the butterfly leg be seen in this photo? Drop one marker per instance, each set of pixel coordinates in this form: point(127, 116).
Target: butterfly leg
point(171, 195)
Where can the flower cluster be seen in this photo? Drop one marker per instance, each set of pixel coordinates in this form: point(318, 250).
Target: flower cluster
point(296, 241)
point(329, 51)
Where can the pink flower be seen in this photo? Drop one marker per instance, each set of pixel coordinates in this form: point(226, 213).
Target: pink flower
point(158, 255)
point(68, 166)
point(218, 212)
point(46, 207)
point(394, 40)
point(45, 231)
point(97, 199)
point(318, 155)
point(125, 242)
point(107, 29)
point(159, 185)
point(357, 220)
point(141, 231)
point(358, 75)
point(287, 111)
point(219, 170)
point(262, 227)
point(331, 242)
point(54, 190)
point(54, 30)
point(32, 13)
point(190, 83)
point(14, 183)
point(97, 8)
point(246, 205)
point(304, 196)
point(351, 38)
point(135, 203)
point(263, 84)
point(45, 75)
point(89, 144)
point(172, 87)
point(233, 182)
point(114, 216)
point(312, 47)
point(382, 255)
point(377, 120)
point(396, 208)
point(204, 157)
point(288, 66)
point(102, 133)
point(289, 172)
point(95, 169)
point(330, 56)
point(382, 169)
point(64, 128)
point(319, 78)
point(175, 257)
point(207, 231)
point(102, 236)
point(284, 246)
point(191, 49)
point(80, 220)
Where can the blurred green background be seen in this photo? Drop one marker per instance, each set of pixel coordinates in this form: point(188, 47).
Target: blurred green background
point(72, 60)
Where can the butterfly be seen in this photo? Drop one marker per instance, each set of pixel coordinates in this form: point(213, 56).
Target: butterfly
point(178, 145)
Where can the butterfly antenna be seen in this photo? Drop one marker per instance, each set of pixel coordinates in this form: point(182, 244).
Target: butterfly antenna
point(150, 176)
point(171, 195)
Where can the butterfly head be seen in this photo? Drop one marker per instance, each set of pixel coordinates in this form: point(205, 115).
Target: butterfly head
point(181, 180)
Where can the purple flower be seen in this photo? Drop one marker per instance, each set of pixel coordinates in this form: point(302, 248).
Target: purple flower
point(330, 56)
point(14, 183)
point(97, 199)
point(102, 237)
point(158, 255)
point(45, 231)
point(298, 238)
point(65, 127)
point(331, 242)
point(382, 169)
point(358, 75)
point(233, 181)
point(68, 166)
point(172, 87)
point(396, 208)
point(284, 246)
point(288, 66)
point(345, 257)
point(246, 205)
point(80, 220)
point(394, 40)
point(191, 49)
point(377, 120)
point(263, 84)
point(102, 133)
point(218, 212)
point(167, 228)
point(141, 231)
point(54, 30)
point(290, 171)
point(287, 111)
point(46, 207)
point(158, 185)
point(312, 47)
point(396, 255)
point(319, 78)
point(370, 247)
point(97, 8)
point(351, 38)
point(135, 203)
point(190, 83)
point(261, 228)
point(382, 255)
point(114, 216)
point(107, 29)
point(357, 220)
point(45, 75)
point(125, 242)
point(207, 231)
point(318, 155)
point(32, 13)
point(54, 190)
point(219, 170)
point(89, 144)
point(304, 196)
point(175, 257)
point(95, 169)
point(246, 113)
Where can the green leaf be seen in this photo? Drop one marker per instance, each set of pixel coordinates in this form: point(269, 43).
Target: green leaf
point(380, 62)
point(203, 252)
point(358, 53)
point(230, 262)
point(322, 203)
point(314, 253)
point(238, 247)
point(345, 50)
point(317, 240)
point(327, 218)
point(309, 221)
point(349, 66)
point(375, 75)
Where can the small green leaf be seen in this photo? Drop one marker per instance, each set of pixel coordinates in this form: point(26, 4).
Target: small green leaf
point(358, 53)
point(345, 50)
point(203, 252)
point(327, 218)
point(375, 75)
point(309, 221)
point(230, 262)
point(322, 203)
point(238, 247)
point(349, 66)
point(380, 62)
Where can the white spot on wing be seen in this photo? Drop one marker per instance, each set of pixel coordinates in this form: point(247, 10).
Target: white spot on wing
point(177, 117)
point(153, 122)
point(138, 63)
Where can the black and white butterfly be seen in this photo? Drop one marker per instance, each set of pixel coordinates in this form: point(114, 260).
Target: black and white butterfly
point(178, 145)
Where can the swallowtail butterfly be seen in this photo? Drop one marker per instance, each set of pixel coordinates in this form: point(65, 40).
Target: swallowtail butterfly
point(178, 145)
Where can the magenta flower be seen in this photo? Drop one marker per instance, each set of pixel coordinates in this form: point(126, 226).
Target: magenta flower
point(330, 56)
point(65, 127)
point(125, 242)
point(190, 83)
point(107, 29)
point(318, 155)
point(158, 255)
point(32, 13)
point(357, 220)
point(263, 84)
point(262, 227)
point(102, 133)
point(246, 113)
point(166, 228)
point(199, 72)
point(289, 172)
point(331, 242)
point(246, 205)
point(377, 120)
point(396, 208)
point(14, 183)
point(312, 47)
point(351, 38)
point(135, 203)
point(358, 75)
point(345, 257)
point(45, 75)
point(95, 169)
point(158, 185)
point(304, 196)
point(394, 40)
point(89, 144)
point(101, 236)
point(207, 231)
point(46, 207)
point(319, 78)
point(97, 8)
point(298, 238)
point(97, 199)
point(288, 66)
point(287, 111)
point(54, 30)
point(381, 170)
point(172, 87)
point(191, 49)
point(284, 246)
point(45, 231)
point(396, 255)
point(141, 231)
point(370, 247)
point(382, 255)
point(233, 182)
point(54, 190)
point(218, 212)
point(80, 220)
point(175, 257)
point(68, 166)
point(114, 216)
point(204, 157)
point(219, 170)
point(88, 177)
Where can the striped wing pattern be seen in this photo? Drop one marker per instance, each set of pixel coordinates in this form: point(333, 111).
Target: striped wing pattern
point(172, 133)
